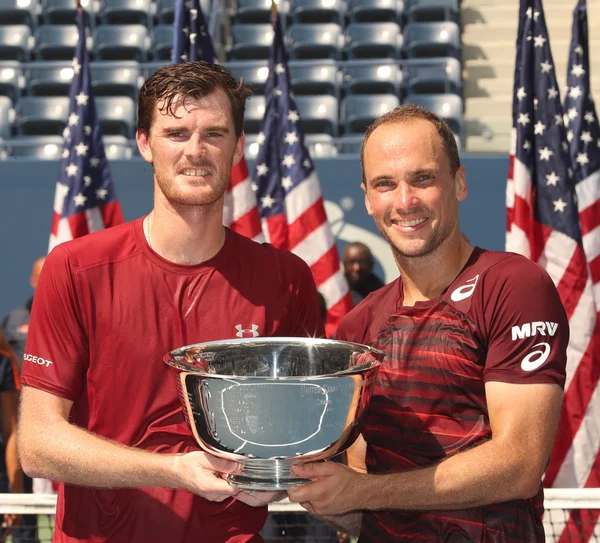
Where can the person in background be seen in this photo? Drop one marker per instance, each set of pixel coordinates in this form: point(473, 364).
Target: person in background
point(358, 269)
point(11, 474)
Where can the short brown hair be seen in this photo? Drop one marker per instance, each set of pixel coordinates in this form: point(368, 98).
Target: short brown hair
point(408, 112)
point(174, 83)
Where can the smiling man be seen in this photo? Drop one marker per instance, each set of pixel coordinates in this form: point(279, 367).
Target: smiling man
point(467, 401)
point(101, 414)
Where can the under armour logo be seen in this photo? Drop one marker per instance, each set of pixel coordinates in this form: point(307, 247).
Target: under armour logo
point(246, 332)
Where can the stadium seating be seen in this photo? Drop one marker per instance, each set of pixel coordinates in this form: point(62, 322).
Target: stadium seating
point(255, 111)
point(117, 147)
point(373, 40)
point(432, 10)
point(38, 147)
point(372, 11)
point(250, 41)
point(41, 115)
point(65, 11)
point(447, 106)
point(56, 42)
point(308, 41)
point(50, 78)
point(121, 42)
point(432, 40)
point(379, 78)
point(165, 10)
point(116, 78)
point(433, 76)
point(316, 11)
point(15, 42)
point(314, 77)
point(319, 114)
point(319, 145)
point(252, 11)
point(359, 111)
point(116, 115)
point(18, 12)
point(125, 12)
point(6, 109)
point(253, 72)
point(161, 43)
point(11, 79)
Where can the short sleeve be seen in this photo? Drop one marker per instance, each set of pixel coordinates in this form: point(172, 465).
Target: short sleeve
point(56, 353)
point(526, 324)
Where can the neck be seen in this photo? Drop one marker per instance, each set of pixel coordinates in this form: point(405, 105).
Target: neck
point(426, 277)
point(185, 234)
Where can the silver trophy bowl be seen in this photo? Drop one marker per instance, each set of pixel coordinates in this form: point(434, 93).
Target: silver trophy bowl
point(273, 402)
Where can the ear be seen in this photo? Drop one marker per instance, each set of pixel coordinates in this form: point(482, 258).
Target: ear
point(460, 184)
point(367, 203)
point(239, 148)
point(143, 143)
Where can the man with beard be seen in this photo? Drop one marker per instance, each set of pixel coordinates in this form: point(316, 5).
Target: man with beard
point(100, 410)
point(358, 270)
point(467, 400)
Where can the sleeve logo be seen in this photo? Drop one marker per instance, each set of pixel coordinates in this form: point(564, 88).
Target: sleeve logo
point(37, 360)
point(536, 358)
point(532, 328)
point(462, 293)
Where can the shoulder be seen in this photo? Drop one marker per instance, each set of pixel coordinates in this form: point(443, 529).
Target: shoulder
point(370, 314)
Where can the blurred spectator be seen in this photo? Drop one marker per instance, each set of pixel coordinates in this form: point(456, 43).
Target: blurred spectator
point(11, 474)
point(358, 268)
point(16, 324)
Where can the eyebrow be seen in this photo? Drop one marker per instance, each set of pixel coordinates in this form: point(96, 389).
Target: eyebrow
point(181, 128)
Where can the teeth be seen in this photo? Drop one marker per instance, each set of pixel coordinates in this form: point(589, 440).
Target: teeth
point(414, 222)
point(195, 173)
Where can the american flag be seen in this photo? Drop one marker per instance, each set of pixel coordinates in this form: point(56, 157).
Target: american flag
point(583, 135)
point(288, 189)
point(544, 226)
point(240, 212)
point(85, 199)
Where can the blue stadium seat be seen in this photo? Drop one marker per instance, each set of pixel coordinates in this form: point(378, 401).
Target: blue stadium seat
point(117, 147)
point(319, 145)
point(350, 145)
point(375, 11)
point(121, 42)
point(41, 115)
point(254, 73)
point(36, 147)
point(360, 110)
point(255, 111)
point(161, 42)
point(49, 78)
point(379, 78)
point(250, 41)
point(252, 11)
point(433, 76)
point(116, 115)
point(319, 114)
point(373, 40)
point(12, 79)
point(56, 42)
point(432, 10)
point(65, 11)
point(15, 42)
point(125, 12)
point(432, 40)
point(149, 68)
point(317, 11)
point(116, 78)
point(165, 11)
point(6, 113)
point(18, 12)
point(447, 106)
point(314, 77)
point(308, 41)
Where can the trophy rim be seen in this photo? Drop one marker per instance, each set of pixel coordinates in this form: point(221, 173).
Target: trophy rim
point(170, 357)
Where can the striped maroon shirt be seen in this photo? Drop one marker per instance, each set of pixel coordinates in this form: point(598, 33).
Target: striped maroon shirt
point(500, 320)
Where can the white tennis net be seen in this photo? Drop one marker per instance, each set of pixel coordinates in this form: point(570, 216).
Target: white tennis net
point(571, 517)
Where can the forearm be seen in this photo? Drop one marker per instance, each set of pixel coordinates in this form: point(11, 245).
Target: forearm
point(488, 473)
point(66, 453)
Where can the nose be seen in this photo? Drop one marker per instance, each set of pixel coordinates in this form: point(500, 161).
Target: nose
point(195, 147)
point(406, 197)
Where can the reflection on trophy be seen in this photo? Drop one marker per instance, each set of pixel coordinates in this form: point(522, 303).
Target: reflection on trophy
point(274, 402)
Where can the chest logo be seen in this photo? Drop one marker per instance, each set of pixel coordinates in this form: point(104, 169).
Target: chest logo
point(247, 332)
point(462, 293)
point(536, 358)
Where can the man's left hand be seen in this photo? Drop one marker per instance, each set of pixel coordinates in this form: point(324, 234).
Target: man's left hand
point(335, 489)
point(259, 498)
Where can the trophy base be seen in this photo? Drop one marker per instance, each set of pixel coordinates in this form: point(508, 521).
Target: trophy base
point(268, 475)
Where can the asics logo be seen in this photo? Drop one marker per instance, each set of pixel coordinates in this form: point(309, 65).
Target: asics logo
point(247, 332)
point(532, 328)
point(536, 358)
point(462, 293)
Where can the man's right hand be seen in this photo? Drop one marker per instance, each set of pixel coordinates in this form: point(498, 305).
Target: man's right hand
point(204, 475)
